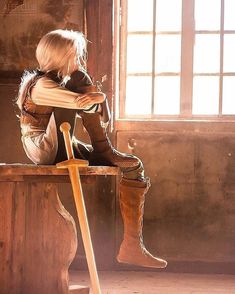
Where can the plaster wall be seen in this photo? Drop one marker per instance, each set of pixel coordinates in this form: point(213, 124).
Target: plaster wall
point(190, 207)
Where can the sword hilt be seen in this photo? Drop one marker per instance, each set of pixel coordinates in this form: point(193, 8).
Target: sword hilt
point(65, 128)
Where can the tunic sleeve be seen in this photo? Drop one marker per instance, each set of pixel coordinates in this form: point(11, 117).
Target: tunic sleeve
point(49, 93)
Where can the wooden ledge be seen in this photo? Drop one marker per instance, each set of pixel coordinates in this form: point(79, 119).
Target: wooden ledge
point(22, 172)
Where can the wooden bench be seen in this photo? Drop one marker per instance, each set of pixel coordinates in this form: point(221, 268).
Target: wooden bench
point(38, 237)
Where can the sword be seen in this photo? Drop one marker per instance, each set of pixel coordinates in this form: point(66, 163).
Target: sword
point(73, 165)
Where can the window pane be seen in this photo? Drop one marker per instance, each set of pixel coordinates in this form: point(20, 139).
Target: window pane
point(140, 15)
point(138, 95)
point(229, 60)
point(207, 14)
point(167, 95)
point(168, 15)
point(228, 106)
point(139, 53)
point(207, 53)
point(168, 53)
point(206, 95)
point(229, 12)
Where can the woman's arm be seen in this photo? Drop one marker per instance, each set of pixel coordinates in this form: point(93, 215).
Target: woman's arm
point(81, 82)
point(49, 93)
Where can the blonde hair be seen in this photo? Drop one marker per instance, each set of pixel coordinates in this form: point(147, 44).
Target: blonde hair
point(58, 51)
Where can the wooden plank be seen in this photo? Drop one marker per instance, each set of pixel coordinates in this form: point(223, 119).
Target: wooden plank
point(18, 235)
point(48, 254)
point(6, 206)
point(37, 240)
point(36, 178)
point(46, 179)
point(51, 170)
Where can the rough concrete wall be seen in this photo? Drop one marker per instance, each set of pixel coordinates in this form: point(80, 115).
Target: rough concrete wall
point(190, 208)
point(24, 25)
point(11, 150)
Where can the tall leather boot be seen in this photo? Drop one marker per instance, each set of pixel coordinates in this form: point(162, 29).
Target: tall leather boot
point(103, 152)
point(132, 250)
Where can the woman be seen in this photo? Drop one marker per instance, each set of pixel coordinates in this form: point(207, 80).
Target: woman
point(62, 84)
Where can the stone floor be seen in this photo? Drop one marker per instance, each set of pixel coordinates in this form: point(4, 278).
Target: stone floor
point(128, 282)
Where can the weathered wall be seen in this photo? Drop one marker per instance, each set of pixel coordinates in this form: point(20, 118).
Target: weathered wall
point(22, 27)
point(190, 207)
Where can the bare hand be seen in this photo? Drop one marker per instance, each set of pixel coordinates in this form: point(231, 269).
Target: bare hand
point(90, 99)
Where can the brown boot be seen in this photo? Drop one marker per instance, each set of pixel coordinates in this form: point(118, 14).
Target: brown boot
point(132, 250)
point(81, 149)
point(103, 151)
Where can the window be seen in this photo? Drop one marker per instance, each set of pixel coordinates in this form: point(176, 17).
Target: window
point(177, 59)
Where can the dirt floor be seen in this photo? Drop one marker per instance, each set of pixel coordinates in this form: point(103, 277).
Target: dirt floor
point(158, 283)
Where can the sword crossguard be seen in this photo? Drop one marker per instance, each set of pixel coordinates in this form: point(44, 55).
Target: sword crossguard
point(65, 128)
point(72, 163)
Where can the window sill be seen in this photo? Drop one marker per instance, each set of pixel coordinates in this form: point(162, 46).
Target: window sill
point(206, 125)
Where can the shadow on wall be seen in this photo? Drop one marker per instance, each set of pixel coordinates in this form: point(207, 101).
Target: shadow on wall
point(11, 150)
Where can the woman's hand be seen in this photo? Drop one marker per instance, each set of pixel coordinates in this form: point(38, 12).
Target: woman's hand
point(89, 99)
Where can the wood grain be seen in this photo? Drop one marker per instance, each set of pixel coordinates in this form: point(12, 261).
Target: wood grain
point(51, 170)
point(38, 239)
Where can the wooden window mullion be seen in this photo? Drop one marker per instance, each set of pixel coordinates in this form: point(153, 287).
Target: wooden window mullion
point(187, 46)
point(123, 63)
point(221, 58)
point(153, 56)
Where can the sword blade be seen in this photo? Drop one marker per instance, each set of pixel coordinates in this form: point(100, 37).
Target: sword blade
point(84, 226)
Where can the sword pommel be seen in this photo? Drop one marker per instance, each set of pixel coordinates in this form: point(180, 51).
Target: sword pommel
point(65, 127)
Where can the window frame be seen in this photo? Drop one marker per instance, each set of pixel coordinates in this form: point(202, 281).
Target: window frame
point(188, 34)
